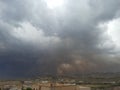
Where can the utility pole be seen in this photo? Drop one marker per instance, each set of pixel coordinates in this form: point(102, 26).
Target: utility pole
point(53, 83)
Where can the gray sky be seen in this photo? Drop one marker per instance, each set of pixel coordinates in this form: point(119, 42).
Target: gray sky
point(59, 37)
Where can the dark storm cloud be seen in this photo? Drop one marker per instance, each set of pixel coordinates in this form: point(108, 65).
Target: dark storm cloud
point(35, 39)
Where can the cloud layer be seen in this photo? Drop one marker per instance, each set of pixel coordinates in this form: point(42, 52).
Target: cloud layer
point(77, 36)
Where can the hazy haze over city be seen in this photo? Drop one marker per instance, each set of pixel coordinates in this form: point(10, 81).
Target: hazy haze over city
point(40, 37)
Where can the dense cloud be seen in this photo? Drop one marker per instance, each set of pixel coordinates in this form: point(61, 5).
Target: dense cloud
point(78, 36)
